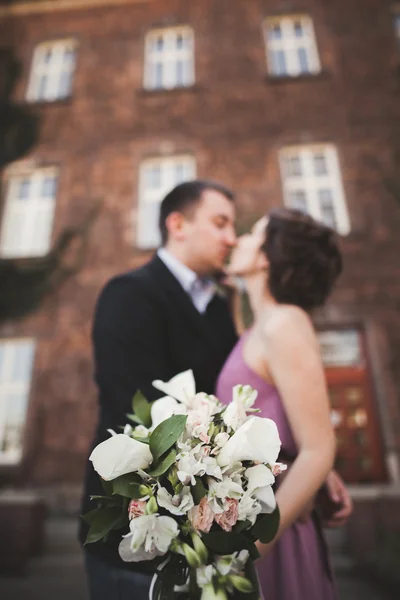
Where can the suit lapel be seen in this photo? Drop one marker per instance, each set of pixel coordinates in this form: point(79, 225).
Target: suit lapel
point(173, 291)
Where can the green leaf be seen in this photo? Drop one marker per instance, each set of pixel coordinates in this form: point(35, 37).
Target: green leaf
point(223, 542)
point(135, 419)
point(164, 464)
point(241, 526)
point(89, 516)
point(198, 491)
point(102, 523)
point(141, 408)
point(266, 526)
point(107, 486)
point(166, 434)
point(128, 486)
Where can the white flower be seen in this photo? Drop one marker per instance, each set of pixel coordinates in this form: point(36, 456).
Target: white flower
point(243, 399)
point(179, 504)
point(260, 480)
point(204, 575)
point(256, 440)
point(219, 491)
point(249, 508)
point(163, 409)
point(221, 439)
point(118, 455)
point(244, 395)
point(232, 564)
point(150, 536)
point(234, 416)
point(188, 468)
point(182, 386)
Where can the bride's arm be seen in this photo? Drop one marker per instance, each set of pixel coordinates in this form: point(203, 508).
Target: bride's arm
point(295, 365)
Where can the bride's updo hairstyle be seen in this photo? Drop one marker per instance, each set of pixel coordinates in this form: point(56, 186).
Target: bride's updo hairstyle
point(304, 258)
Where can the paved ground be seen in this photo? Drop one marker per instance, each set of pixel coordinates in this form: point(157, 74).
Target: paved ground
point(59, 575)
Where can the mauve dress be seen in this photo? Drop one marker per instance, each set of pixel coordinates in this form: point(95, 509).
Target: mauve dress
point(297, 568)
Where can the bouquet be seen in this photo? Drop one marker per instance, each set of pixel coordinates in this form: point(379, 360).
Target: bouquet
point(190, 482)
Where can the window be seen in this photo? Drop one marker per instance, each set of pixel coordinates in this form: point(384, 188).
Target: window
point(312, 183)
point(16, 362)
point(169, 58)
point(28, 213)
point(52, 71)
point(291, 46)
point(156, 178)
point(341, 348)
point(397, 28)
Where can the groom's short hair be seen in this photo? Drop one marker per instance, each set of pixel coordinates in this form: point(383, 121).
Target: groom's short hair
point(184, 198)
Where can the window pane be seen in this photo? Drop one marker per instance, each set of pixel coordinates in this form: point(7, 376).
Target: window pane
point(65, 85)
point(340, 348)
point(22, 364)
point(41, 95)
point(298, 29)
point(48, 56)
point(69, 57)
point(153, 177)
point(159, 44)
point(298, 200)
point(303, 60)
point(320, 166)
point(158, 79)
point(279, 62)
point(293, 166)
point(24, 189)
point(275, 32)
point(327, 209)
point(49, 187)
point(179, 73)
point(179, 41)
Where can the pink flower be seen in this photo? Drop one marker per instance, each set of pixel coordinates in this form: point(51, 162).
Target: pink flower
point(278, 468)
point(201, 516)
point(136, 508)
point(228, 518)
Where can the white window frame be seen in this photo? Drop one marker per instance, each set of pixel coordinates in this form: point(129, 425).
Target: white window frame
point(168, 58)
point(397, 27)
point(341, 347)
point(54, 71)
point(289, 46)
point(150, 197)
point(310, 185)
point(10, 388)
point(19, 231)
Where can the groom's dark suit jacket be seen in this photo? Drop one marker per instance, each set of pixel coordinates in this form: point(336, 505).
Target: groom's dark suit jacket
point(146, 327)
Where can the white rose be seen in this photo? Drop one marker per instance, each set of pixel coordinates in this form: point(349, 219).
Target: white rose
point(119, 455)
point(260, 480)
point(256, 440)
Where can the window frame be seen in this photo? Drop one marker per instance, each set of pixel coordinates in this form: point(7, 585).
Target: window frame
point(167, 182)
point(36, 176)
point(53, 73)
point(312, 184)
point(168, 56)
point(289, 45)
point(8, 386)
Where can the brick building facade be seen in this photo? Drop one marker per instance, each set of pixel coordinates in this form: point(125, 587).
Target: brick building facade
point(267, 96)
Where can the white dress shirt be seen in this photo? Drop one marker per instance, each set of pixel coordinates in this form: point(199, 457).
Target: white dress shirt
point(200, 290)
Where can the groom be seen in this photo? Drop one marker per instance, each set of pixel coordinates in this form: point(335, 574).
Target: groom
point(153, 323)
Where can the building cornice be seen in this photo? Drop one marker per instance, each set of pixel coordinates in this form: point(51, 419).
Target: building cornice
point(21, 8)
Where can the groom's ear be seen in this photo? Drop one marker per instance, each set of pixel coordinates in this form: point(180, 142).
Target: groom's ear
point(175, 223)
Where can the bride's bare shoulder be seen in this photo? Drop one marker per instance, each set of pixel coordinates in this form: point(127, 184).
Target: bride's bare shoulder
point(287, 322)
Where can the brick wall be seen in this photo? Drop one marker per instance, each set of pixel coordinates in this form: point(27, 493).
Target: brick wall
point(234, 120)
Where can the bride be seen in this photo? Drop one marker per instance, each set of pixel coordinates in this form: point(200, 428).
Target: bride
point(289, 263)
